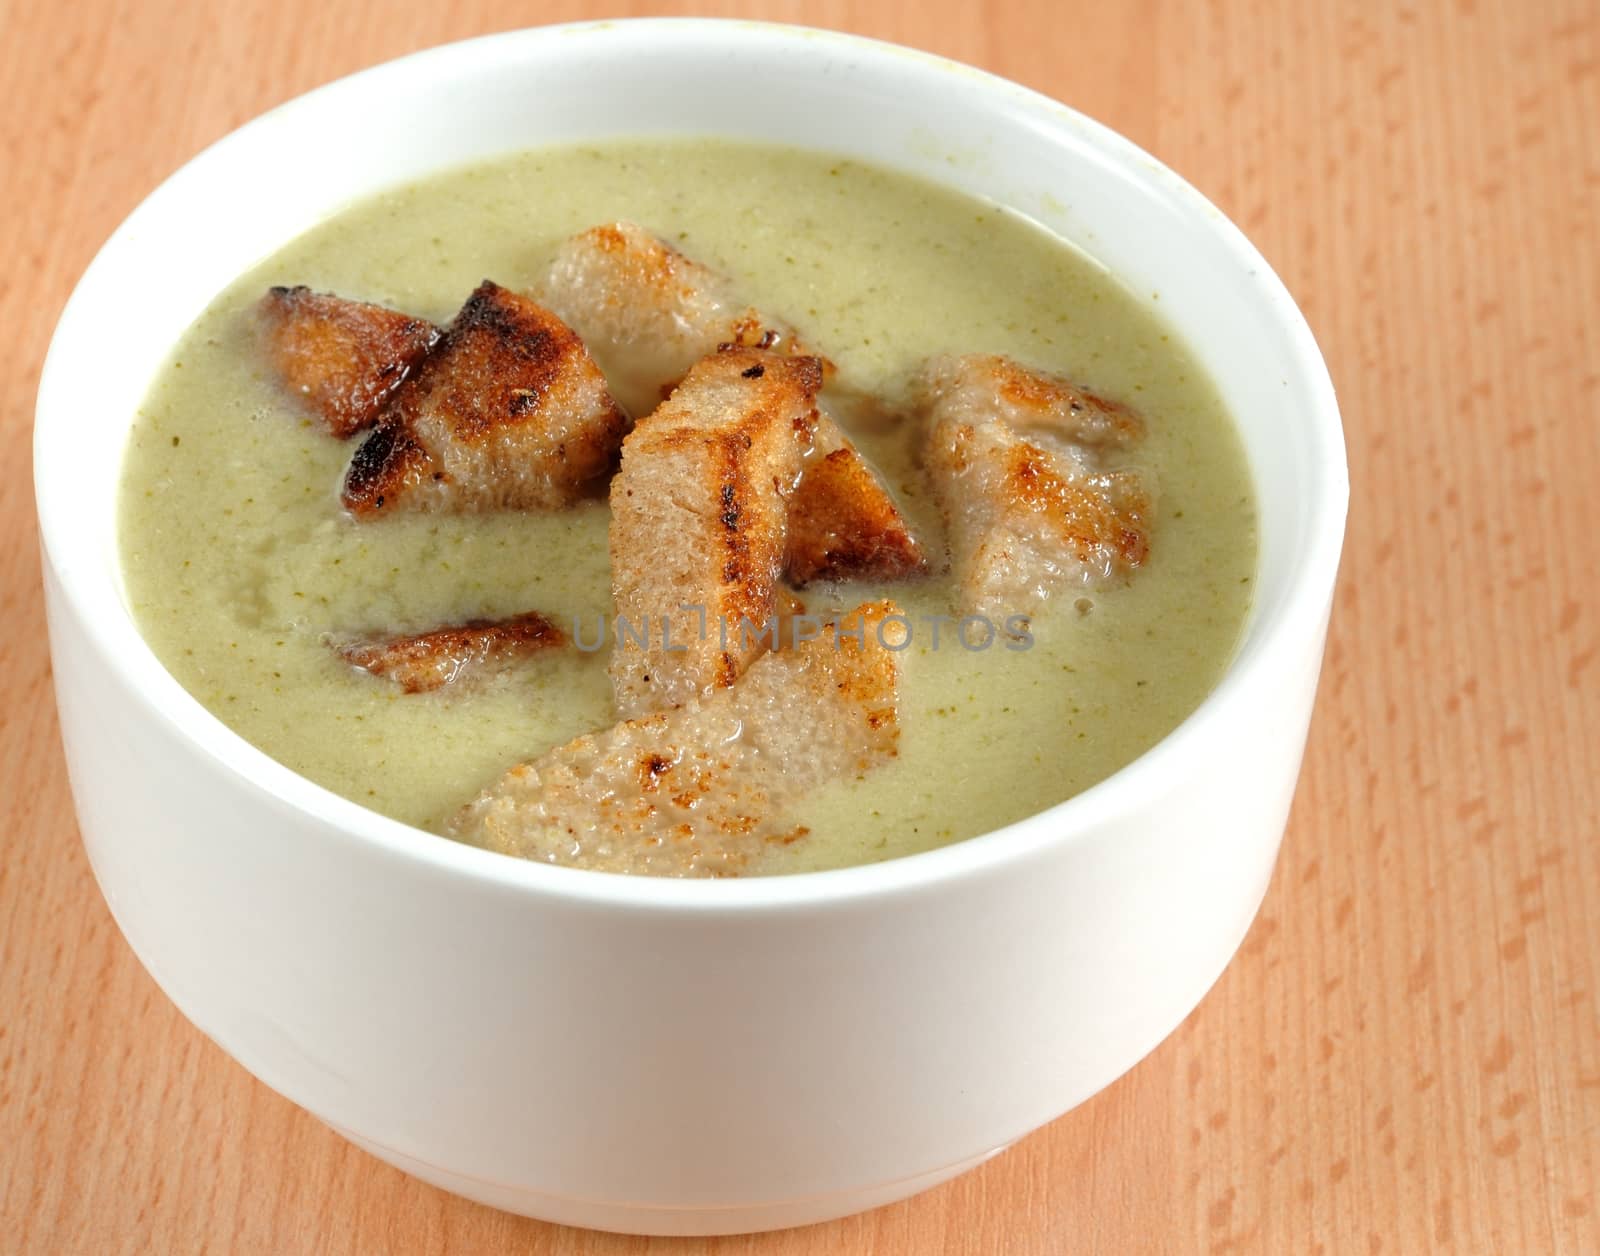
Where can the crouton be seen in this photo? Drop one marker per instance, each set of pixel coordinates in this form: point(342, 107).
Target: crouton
point(431, 660)
point(508, 412)
point(698, 520)
point(1032, 510)
point(1030, 401)
point(344, 359)
point(648, 313)
point(704, 789)
point(788, 608)
point(843, 523)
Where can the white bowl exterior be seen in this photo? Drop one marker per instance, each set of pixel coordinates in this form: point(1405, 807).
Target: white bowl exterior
point(649, 1055)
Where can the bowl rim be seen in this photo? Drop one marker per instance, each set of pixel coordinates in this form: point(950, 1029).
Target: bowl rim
point(1298, 614)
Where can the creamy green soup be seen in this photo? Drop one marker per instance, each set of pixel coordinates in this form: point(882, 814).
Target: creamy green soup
point(240, 562)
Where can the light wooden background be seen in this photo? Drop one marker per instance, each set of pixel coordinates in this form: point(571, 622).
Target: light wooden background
point(1406, 1055)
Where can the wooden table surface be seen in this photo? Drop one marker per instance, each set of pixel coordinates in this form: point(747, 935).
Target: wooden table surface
point(1406, 1055)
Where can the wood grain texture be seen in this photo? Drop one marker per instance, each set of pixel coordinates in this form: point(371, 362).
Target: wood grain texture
point(1406, 1055)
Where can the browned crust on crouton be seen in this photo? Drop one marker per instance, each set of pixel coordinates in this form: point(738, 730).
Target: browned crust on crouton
point(1088, 517)
point(649, 312)
point(1100, 518)
point(698, 520)
point(667, 277)
point(706, 788)
point(755, 330)
point(384, 466)
point(503, 355)
point(1094, 419)
point(1019, 464)
point(430, 660)
point(651, 263)
point(787, 607)
point(1027, 399)
point(844, 525)
point(343, 358)
point(507, 412)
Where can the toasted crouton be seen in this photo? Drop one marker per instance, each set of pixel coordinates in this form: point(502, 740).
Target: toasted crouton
point(843, 523)
point(698, 523)
point(1030, 401)
point(343, 358)
point(648, 313)
point(507, 413)
point(703, 789)
point(431, 660)
point(1032, 511)
point(788, 609)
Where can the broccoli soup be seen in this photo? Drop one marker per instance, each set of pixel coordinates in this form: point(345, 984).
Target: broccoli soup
point(688, 508)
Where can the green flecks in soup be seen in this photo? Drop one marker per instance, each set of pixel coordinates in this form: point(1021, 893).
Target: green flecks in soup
point(240, 563)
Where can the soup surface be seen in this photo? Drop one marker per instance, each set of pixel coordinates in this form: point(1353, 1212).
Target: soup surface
point(239, 561)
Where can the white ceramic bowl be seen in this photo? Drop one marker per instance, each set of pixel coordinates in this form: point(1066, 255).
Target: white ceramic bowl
point(653, 1055)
